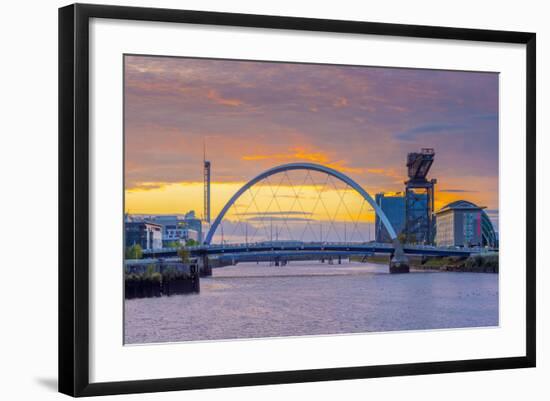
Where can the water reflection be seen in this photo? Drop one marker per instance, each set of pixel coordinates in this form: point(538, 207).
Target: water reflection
point(308, 298)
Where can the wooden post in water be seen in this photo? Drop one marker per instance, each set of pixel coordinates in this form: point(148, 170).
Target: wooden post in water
point(195, 277)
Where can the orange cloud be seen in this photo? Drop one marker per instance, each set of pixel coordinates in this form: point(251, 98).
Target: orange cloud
point(219, 99)
point(338, 165)
point(295, 153)
point(340, 102)
point(147, 186)
point(298, 153)
point(392, 173)
point(483, 191)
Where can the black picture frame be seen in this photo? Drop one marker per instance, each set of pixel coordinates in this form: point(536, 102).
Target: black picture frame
point(74, 201)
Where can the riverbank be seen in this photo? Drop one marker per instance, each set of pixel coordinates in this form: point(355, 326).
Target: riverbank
point(483, 263)
point(157, 280)
point(486, 263)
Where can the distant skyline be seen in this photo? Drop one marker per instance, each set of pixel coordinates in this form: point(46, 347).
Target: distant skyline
point(359, 120)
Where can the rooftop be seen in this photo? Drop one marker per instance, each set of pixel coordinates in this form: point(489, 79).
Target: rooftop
point(460, 205)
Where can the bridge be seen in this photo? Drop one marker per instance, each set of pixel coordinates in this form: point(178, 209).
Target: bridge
point(314, 250)
point(283, 204)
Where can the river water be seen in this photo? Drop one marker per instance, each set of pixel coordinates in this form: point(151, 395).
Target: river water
point(309, 298)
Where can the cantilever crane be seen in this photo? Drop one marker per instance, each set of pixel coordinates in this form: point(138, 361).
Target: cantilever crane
point(419, 197)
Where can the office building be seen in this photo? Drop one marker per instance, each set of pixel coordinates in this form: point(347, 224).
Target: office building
point(459, 224)
point(145, 234)
point(393, 206)
point(177, 228)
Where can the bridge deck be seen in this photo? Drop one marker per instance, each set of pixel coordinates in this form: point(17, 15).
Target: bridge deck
point(320, 248)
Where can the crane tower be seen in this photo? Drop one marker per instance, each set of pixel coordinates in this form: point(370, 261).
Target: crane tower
point(419, 197)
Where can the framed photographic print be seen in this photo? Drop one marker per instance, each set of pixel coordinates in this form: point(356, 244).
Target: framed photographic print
point(249, 199)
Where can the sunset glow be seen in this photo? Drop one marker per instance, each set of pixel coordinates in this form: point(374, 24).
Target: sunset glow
point(361, 121)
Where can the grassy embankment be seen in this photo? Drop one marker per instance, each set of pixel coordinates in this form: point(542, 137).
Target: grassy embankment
point(487, 263)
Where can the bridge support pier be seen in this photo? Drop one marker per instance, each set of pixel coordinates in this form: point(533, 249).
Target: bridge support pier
point(399, 263)
point(204, 267)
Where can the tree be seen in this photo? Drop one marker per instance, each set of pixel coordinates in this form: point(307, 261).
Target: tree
point(184, 254)
point(151, 274)
point(134, 252)
point(191, 242)
point(173, 244)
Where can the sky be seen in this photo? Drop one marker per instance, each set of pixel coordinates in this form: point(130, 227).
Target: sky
point(252, 115)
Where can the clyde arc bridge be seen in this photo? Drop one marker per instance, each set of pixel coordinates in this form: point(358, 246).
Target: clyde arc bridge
point(301, 211)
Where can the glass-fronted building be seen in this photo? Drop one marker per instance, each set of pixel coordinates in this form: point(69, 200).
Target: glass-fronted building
point(393, 206)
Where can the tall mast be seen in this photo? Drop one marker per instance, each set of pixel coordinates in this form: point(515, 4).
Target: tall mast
point(206, 177)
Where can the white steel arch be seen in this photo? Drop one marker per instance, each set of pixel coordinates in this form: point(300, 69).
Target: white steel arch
point(303, 166)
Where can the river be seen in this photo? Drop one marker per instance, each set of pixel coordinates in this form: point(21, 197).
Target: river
point(310, 298)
